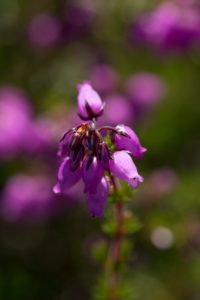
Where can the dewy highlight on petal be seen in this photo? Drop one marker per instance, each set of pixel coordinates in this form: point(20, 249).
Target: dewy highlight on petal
point(97, 155)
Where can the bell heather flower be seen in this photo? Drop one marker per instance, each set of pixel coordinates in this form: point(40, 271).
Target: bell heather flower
point(92, 173)
point(123, 167)
point(67, 177)
point(89, 102)
point(129, 141)
point(86, 154)
point(97, 200)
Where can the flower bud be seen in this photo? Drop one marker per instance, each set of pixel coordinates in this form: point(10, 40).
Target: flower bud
point(90, 104)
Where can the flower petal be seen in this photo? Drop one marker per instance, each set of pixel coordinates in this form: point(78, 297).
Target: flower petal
point(123, 167)
point(63, 149)
point(66, 177)
point(103, 156)
point(130, 143)
point(96, 201)
point(92, 174)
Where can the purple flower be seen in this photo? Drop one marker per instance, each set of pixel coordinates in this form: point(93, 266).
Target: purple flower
point(145, 88)
point(171, 26)
point(89, 102)
point(88, 155)
point(18, 128)
point(44, 30)
point(127, 139)
point(103, 78)
point(103, 155)
point(123, 167)
point(64, 144)
point(92, 174)
point(97, 200)
point(66, 176)
point(118, 109)
point(15, 120)
point(27, 197)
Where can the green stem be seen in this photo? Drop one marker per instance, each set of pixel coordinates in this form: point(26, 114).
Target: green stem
point(114, 255)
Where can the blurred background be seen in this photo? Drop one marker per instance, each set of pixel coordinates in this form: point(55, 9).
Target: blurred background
point(143, 57)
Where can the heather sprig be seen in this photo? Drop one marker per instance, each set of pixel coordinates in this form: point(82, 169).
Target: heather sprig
point(100, 157)
point(97, 155)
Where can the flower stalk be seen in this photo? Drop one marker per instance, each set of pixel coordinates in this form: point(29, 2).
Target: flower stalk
point(114, 256)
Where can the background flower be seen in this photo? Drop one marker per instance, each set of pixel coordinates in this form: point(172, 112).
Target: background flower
point(172, 26)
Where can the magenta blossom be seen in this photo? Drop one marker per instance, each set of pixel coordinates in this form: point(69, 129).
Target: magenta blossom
point(123, 110)
point(89, 102)
point(15, 116)
point(145, 88)
point(44, 30)
point(87, 155)
point(104, 78)
point(123, 167)
point(171, 26)
point(97, 200)
point(27, 197)
point(128, 140)
point(17, 126)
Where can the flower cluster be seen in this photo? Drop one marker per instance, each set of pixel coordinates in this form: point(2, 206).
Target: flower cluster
point(97, 155)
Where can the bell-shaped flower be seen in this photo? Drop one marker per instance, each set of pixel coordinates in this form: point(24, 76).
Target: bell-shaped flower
point(128, 140)
point(123, 167)
point(64, 145)
point(90, 104)
point(103, 155)
point(67, 176)
point(92, 172)
point(96, 201)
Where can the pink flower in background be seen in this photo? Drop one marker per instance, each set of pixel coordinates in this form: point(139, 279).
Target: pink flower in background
point(145, 88)
point(104, 78)
point(78, 20)
point(163, 180)
point(170, 26)
point(118, 110)
point(161, 183)
point(44, 30)
point(39, 138)
point(15, 120)
point(27, 197)
point(20, 132)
